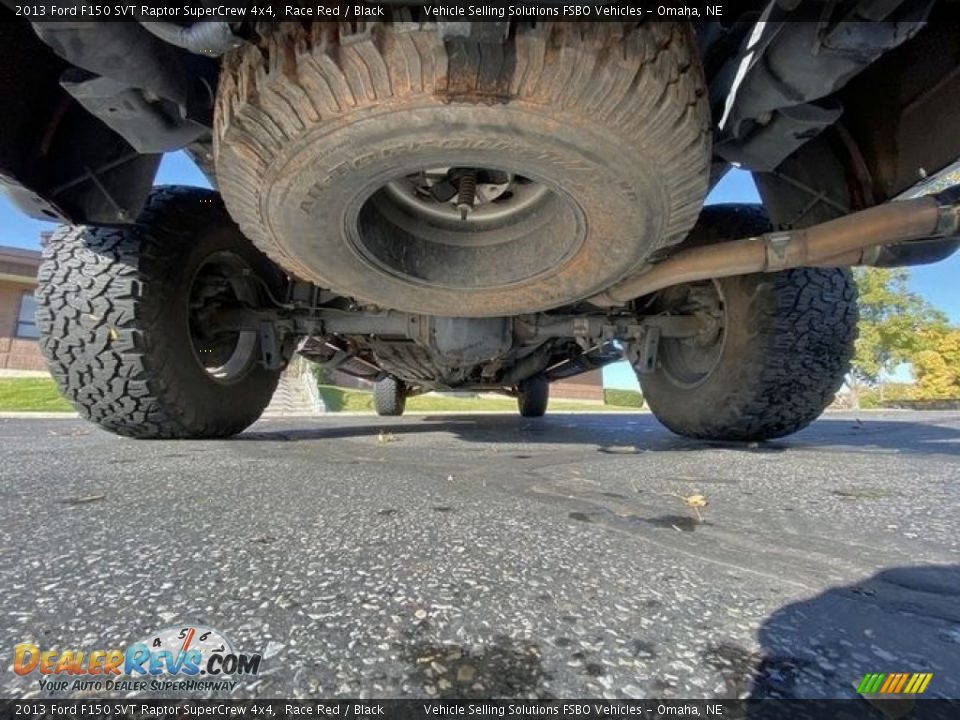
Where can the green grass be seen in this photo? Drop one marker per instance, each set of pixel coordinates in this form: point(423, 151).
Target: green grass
point(623, 398)
point(339, 399)
point(31, 395)
point(41, 395)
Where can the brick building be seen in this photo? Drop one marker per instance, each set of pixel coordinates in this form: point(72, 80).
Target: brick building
point(18, 330)
point(588, 386)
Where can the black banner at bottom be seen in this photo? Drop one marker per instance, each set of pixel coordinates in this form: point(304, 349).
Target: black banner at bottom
point(181, 709)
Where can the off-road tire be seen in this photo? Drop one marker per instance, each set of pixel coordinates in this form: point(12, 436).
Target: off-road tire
point(788, 345)
point(533, 394)
point(614, 114)
point(389, 397)
point(111, 310)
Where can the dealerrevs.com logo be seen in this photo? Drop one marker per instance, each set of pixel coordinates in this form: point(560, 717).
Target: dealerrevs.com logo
point(182, 658)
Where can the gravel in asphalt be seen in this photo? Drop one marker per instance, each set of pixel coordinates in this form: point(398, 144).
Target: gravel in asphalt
point(479, 556)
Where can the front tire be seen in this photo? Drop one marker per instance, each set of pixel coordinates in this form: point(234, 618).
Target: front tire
point(782, 348)
point(118, 308)
point(533, 394)
point(389, 397)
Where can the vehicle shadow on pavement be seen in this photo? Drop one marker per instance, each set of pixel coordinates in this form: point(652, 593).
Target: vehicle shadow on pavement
point(614, 433)
point(900, 620)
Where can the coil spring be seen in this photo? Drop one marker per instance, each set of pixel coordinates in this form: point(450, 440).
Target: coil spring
point(467, 192)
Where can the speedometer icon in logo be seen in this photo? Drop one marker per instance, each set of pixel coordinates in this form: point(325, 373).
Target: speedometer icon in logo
point(189, 650)
point(183, 639)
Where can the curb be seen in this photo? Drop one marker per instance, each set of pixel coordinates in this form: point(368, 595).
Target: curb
point(27, 415)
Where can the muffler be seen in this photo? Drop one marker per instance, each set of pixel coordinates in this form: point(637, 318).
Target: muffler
point(904, 232)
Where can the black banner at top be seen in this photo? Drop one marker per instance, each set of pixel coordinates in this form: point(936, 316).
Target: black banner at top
point(238, 11)
point(432, 709)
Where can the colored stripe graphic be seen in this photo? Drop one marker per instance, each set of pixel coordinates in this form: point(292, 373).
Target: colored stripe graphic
point(918, 683)
point(870, 683)
point(901, 683)
point(891, 681)
point(894, 683)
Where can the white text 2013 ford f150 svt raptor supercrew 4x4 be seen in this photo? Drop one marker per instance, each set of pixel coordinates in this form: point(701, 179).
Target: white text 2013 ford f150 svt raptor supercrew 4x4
point(434, 204)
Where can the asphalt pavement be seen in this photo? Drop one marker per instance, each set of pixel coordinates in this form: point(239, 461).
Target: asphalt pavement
point(490, 555)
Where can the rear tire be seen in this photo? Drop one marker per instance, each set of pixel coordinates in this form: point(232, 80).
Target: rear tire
point(116, 311)
point(533, 394)
point(389, 397)
point(784, 349)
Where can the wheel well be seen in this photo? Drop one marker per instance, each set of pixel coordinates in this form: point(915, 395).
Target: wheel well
point(88, 109)
point(897, 128)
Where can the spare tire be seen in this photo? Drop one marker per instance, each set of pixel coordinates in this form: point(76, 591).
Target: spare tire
point(347, 154)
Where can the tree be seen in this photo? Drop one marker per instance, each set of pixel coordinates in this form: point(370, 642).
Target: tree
point(937, 368)
point(895, 325)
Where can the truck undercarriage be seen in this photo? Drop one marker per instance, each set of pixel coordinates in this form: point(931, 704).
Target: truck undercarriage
point(482, 206)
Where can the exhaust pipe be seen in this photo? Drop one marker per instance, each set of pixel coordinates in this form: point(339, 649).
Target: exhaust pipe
point(880, 235)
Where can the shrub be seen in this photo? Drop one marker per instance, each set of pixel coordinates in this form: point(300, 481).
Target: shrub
point(872, 397)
